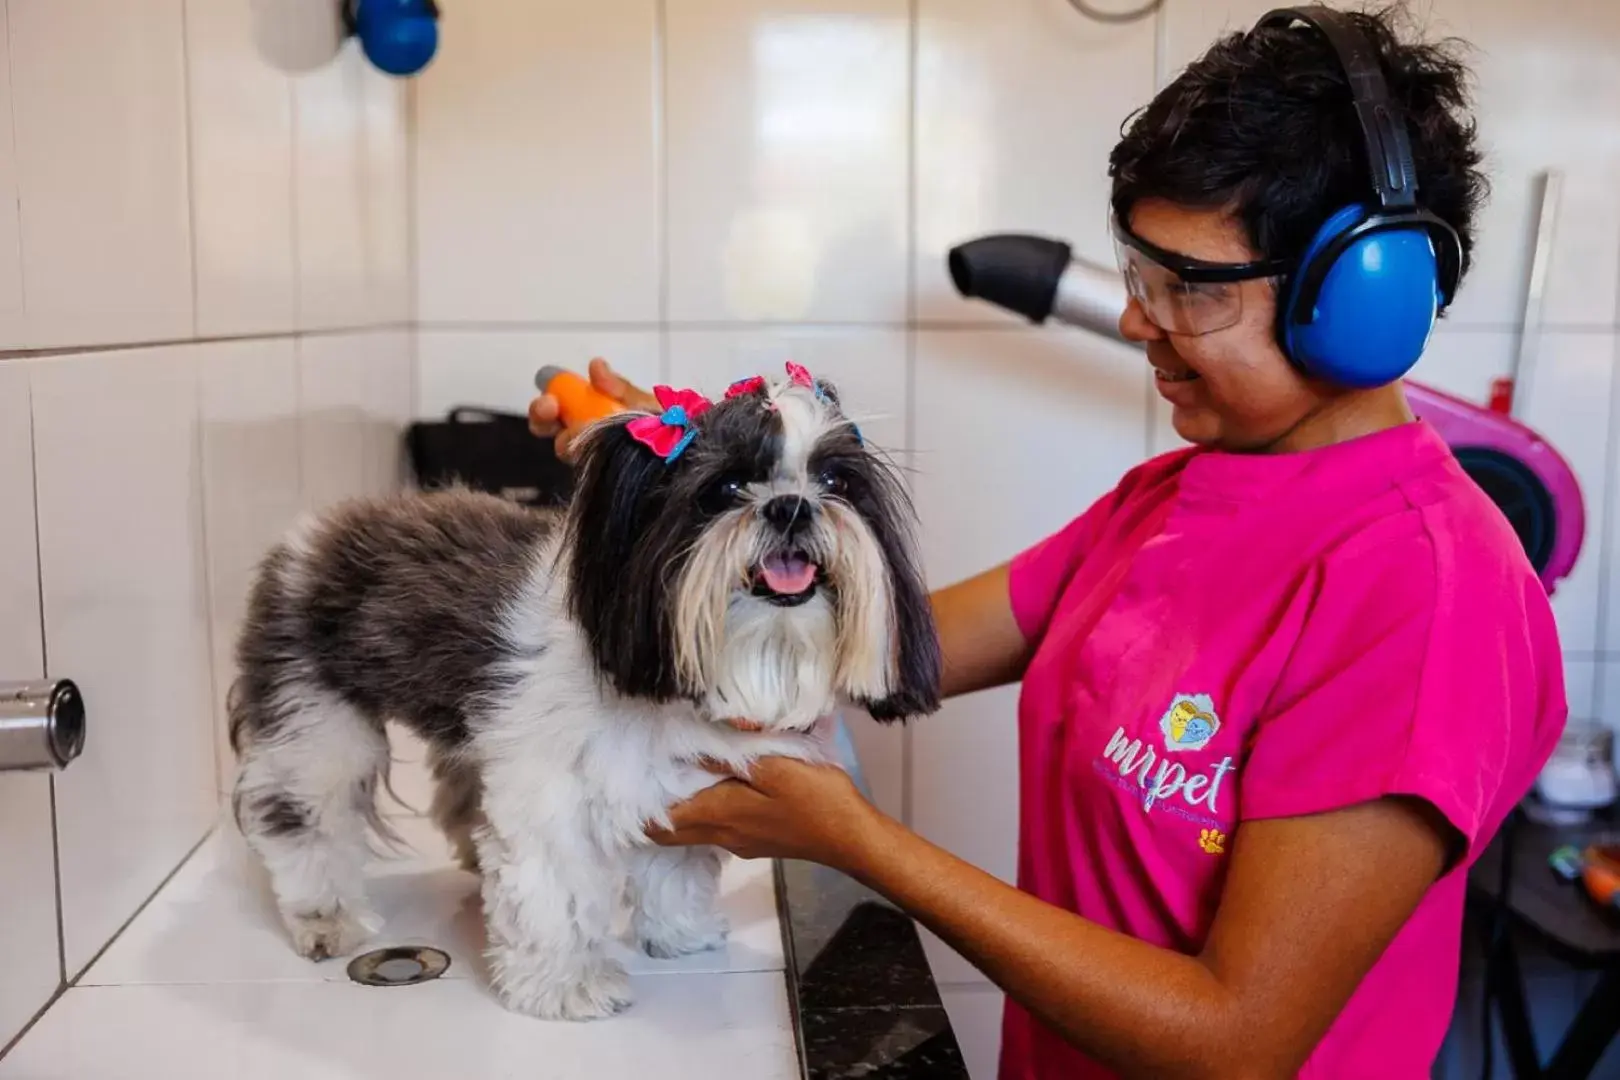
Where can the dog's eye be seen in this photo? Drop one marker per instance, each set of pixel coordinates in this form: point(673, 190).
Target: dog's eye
point(833, 482)
point(722, 494)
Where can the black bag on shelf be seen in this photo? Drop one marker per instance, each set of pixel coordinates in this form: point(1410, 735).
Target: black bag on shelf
point(488, 451)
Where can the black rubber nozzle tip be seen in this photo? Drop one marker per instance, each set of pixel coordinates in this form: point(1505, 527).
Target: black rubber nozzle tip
point(1015, 271)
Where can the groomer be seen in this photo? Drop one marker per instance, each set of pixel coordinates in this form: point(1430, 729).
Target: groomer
point(1280, 687)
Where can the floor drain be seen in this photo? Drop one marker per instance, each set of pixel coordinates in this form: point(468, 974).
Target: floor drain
point(404, 965)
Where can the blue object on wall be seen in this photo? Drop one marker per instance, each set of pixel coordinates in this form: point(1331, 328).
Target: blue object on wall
point(398, 36)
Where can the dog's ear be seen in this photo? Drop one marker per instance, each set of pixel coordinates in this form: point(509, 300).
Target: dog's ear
point(914, 684)
point(618, 561)
point(915, 689)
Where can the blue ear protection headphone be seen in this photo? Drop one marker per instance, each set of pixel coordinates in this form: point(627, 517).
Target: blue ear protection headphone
point(1360, 306)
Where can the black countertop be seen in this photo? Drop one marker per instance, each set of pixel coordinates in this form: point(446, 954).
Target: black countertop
point(863, 997)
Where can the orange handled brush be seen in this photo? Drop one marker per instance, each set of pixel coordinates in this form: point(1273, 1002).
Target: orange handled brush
point(1601, 874)
point(578, 402)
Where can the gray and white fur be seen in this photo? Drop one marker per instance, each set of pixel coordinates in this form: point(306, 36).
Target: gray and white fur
point(568, 670)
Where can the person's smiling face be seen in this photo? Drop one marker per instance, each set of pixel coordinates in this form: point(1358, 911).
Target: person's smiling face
point(1233, 388)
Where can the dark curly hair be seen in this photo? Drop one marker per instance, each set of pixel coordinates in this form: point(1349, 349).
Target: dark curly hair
point(1263, 125)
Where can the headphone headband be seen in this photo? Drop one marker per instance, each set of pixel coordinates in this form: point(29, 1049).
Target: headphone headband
point(1383, 129)
point(1389, 156)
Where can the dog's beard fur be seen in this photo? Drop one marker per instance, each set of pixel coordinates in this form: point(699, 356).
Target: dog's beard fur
point(785, 667)
point(570, 673)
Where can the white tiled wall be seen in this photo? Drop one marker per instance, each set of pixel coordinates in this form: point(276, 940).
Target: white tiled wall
point(355, 399)
point(11, 290)
point(102, 172)
point(786, 128)
point(123, 581)
point(698, 188)
point(385, 199)
point(538, 155)
point(495, 368)
point(242, 144)
point(205, 326)
point(1017, 105)
point(328, 181)
point(252, 474)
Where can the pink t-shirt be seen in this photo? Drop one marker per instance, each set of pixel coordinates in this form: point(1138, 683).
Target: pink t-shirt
point(1230, 637)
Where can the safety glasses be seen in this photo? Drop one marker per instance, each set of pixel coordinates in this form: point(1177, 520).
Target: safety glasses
point(1183, 295)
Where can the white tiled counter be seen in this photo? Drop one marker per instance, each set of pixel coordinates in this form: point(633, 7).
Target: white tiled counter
point(203, 985)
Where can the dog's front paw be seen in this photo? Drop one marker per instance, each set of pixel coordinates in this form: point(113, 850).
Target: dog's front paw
point(599, 990)
point(668, 940)
point(326, 936)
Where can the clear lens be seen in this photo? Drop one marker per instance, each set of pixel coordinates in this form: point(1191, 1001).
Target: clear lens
point(1174, 305)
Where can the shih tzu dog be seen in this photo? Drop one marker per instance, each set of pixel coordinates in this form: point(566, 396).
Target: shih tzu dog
point(752, 559)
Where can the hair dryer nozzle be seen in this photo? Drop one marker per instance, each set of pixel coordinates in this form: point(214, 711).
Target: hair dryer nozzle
point(1040, 279)
point(1016, 272)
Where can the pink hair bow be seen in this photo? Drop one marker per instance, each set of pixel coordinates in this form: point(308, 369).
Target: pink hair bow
point(797, 375)
point(671, 432)
point(745, 386)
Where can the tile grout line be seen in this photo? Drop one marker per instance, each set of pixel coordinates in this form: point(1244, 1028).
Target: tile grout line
point(56, 351)
point(147, 901)
point(1161, 48)
point(412, 248)
point(191, 164)
point(750, 325)
point(1606, 535)
point(45, 670)
point(296, 248)
point(1606, 556)
point(660, 112)
point(11, 135)
point(200, 448)
point(197, 380)
point(1606, 544)
point(360, 105)
point(39, 547)
point(902, 323)
point(299, 403)
point(913, 77)
point(66, 985)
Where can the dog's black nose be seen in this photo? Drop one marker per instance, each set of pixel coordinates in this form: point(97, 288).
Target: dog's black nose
point(789, 514)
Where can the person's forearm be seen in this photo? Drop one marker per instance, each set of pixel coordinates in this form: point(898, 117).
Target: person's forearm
point(1138, 1009)
point(979, 638)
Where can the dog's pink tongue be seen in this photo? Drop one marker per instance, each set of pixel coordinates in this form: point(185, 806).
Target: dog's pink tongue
point(787, 575)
